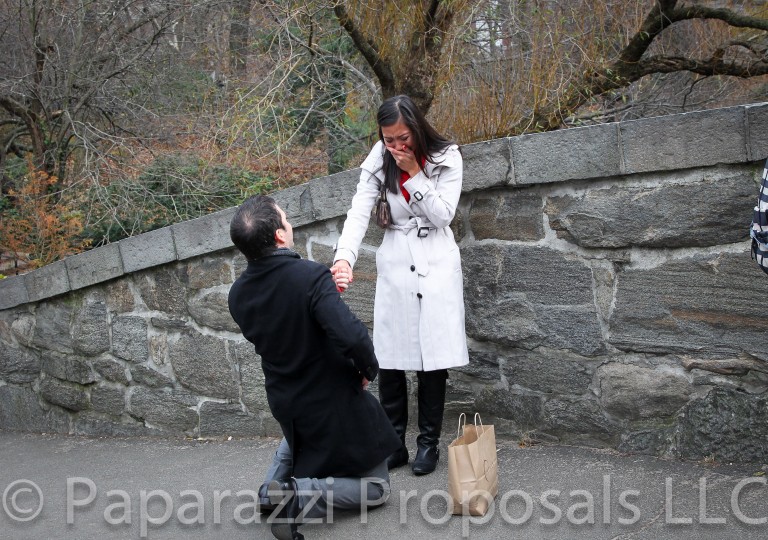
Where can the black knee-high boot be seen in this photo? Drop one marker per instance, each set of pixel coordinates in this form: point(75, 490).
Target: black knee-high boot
point(431, 405)
point(393, 395)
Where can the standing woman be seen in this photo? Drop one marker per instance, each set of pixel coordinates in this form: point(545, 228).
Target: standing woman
point(419, 306)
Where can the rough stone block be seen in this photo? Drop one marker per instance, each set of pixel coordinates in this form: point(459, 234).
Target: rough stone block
point(725, 425)
point(90, 331)
point(296, 202)
point(271, 426)
point(111, 371)
point(757, 131)
point(568, 154)
point(13, 292)
point(549, 371)
point(511, 215)
point(129, 338)
point(706, 304)
point(709, 212)
point(507, 279)
point(163, 290)
point(647, 441)
point(108, 400)
point(322, 253)
point(149, 377)
point(487, 164)
point(210, 308)
point(48, 281)
point(146, 250)
point(373, 236)
point(254, 395)
point(168, 324)
point(223, 419)
point(93, 425)
point(582, 418)
point(208, 272)
point(65, 394)
point(18, 365)
point(524, 409)
point(571, 327)
point(52, 327)
point(630, 392)
point(332, 195)
point(359, 297)
point(200, 364)
point(483, 366)
point(120, 297)
point(158, 349)
point(166, 410)
point(203, 235)
point(682, 141)
point(94, 266)
point(67, 368)
point(22, 328)
point(459, 224)
point(239, 262)
point(21, 411)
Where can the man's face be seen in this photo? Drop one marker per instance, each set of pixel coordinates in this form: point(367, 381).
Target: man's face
point(285, 235)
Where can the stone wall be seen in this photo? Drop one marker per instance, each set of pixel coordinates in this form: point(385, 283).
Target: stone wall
point(610, 296)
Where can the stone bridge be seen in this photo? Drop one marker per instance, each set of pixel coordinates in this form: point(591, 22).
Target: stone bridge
point(611, 301)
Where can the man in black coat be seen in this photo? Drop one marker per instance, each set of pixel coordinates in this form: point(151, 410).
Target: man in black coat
point(317, 359)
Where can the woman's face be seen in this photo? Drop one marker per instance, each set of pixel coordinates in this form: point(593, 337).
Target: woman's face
point(397, 136)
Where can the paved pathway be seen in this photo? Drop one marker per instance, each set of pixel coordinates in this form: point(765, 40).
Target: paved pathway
point(187, 489)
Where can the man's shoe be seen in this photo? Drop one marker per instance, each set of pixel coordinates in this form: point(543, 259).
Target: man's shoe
point(264, 504)
point(285, 526)
point(398, 458)
point(426, 460)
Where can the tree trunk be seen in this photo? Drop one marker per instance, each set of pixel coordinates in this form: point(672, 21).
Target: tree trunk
point(239, 27)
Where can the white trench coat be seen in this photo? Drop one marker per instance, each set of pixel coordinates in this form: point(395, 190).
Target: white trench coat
point(418, 313)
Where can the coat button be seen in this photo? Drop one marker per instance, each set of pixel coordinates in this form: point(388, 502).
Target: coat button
point(418, 295)
point(413, 268)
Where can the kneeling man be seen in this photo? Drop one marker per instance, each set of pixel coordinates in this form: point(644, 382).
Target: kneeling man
point(317, 360)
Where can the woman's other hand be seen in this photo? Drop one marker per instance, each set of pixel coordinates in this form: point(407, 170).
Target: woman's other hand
point(342, 275)
point(405, 159)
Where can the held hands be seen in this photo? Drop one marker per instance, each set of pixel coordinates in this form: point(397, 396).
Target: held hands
point(341, 272)
point(405, 159)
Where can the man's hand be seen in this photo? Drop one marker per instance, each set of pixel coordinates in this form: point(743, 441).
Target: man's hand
point(342, 275)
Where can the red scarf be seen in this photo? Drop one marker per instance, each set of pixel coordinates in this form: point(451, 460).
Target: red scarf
point(404, 177)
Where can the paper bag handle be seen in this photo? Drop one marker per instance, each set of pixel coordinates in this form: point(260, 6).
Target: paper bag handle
point(462, 423)
point(477, 418)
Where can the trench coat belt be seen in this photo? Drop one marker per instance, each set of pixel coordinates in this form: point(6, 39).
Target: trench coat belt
point(415, 230)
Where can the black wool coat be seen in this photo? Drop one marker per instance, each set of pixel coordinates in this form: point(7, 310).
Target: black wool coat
point(314, 354)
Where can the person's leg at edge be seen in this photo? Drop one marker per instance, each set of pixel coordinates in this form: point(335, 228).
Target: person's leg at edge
point(431, 399)
point(280, 470)
point(393, 395)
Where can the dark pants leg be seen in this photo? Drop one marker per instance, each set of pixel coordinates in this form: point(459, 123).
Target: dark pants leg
point(393, 395)
point(431, 405)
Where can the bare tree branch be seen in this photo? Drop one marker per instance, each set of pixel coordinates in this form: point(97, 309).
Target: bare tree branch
point(367, 48)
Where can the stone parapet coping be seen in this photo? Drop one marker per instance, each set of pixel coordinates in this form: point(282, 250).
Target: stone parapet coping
point(674, 142)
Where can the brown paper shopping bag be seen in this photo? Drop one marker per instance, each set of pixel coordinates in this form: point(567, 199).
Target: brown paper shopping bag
point(473, 475)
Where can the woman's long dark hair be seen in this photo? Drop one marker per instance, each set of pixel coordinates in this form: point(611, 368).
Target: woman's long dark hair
point(426, 141)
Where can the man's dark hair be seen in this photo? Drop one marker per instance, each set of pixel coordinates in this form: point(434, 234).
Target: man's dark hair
point(253, 227)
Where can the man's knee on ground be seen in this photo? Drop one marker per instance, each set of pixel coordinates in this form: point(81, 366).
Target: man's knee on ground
point(374, 491)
